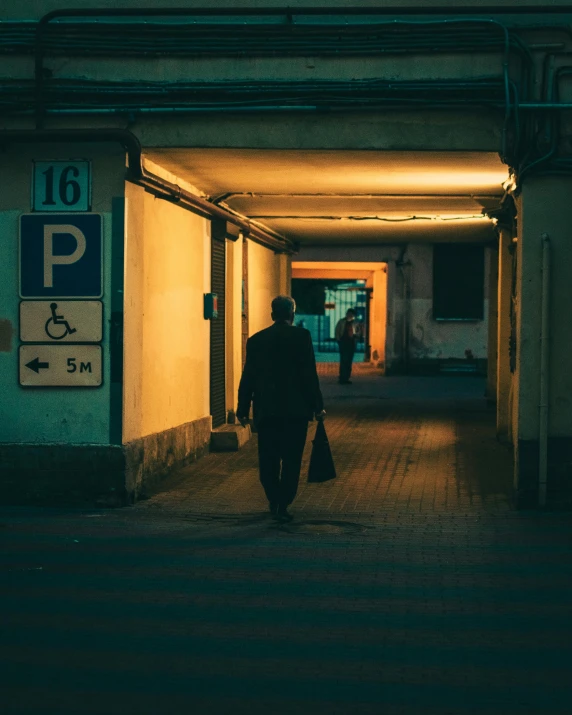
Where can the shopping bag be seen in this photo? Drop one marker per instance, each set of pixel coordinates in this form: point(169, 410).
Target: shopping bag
point(322, 467)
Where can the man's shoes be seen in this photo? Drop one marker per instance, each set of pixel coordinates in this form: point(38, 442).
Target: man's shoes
point(283, 515)
point(344, 382)
point(273, 508)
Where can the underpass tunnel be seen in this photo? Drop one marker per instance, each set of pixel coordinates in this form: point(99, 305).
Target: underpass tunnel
point(212, 160)
point(418, 217)
point(195, 251)
point(402, 237)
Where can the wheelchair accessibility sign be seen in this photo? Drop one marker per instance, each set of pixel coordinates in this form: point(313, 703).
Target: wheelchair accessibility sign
point(61, 256)
point(61, 321)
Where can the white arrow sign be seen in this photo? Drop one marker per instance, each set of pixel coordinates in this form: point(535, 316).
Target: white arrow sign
point(60, 366)
point(61, 321)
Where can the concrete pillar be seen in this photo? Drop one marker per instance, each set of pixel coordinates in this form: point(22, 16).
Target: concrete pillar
point(378, 318)
point(285, 268)
point(112, 440)
point(492, 342)
point(62, 442)
point(544, 207)
point(503, 374)
point(392, 354)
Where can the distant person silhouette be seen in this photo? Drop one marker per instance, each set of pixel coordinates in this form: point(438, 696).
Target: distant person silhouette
point(346, 335)
point(281, 382)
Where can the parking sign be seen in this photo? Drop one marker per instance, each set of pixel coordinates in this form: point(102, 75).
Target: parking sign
point(61, 256)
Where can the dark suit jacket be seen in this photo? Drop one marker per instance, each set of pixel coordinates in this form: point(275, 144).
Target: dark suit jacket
point(279, 376)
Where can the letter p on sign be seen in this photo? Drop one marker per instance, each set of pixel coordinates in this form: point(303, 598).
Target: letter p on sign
point(61, 256)
point(50, 260)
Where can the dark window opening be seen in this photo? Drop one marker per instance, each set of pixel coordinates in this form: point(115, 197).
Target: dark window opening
point(458, 281)
point(310, 296)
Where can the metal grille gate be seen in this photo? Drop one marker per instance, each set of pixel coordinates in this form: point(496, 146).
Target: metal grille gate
point(337, 303)
point(217, 353)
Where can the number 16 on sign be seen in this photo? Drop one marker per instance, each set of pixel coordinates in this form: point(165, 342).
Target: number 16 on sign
point(61, 186)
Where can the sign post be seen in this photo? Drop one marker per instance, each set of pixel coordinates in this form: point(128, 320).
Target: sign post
point(61, 257)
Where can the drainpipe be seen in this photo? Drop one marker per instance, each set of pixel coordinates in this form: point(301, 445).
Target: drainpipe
point(406, 320)
point(544, 373)
point(402, 264)
point(137, 174)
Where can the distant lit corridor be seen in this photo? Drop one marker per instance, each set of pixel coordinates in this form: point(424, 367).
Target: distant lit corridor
point(400, 445)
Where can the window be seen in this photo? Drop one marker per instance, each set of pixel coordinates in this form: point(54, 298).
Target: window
point(458, 281)
point(310, 295)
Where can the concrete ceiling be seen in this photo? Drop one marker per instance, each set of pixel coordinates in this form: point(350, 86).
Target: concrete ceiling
point(316, 197)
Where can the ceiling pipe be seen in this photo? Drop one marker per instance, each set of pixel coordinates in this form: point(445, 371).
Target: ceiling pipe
point(256, 195)
point(137, 174)
point(435, 217)
point(545, 106)
point(288, 13)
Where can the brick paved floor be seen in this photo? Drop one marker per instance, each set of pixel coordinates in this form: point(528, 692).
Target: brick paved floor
point(408, 587)
point(400, 444)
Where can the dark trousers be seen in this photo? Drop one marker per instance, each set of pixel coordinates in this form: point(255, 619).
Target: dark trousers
point(347, 350)
point(280, 447)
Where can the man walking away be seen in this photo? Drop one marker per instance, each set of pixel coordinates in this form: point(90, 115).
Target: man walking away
point(281, 382)
point(346, 336)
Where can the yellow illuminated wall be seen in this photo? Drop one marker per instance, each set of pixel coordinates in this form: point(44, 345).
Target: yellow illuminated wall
point(265, 281)
point(167, 270)
point(378, 317)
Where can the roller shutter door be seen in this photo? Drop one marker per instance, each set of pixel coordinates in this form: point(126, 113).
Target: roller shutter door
point(217, 372)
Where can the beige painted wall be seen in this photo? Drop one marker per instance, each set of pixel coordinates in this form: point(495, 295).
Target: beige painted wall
point(435, 339)
point(264, 284)
point(233, 321)
point(504, 376)
point(429, 339)
point(166, 381)
point(544, 207)
point(444, 339)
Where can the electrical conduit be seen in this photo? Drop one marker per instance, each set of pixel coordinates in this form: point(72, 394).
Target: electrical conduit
point(544, 373)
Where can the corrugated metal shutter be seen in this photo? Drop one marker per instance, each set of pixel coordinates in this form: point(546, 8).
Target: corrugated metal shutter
point(218, 284)
point(244, 298)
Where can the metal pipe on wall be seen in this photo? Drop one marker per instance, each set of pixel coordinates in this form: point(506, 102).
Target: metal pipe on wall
point(41, 28)
point(137, 174)
point(403, 264)
point(544, 373)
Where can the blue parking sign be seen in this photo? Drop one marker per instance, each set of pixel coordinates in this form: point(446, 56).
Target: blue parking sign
point(61, 256)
